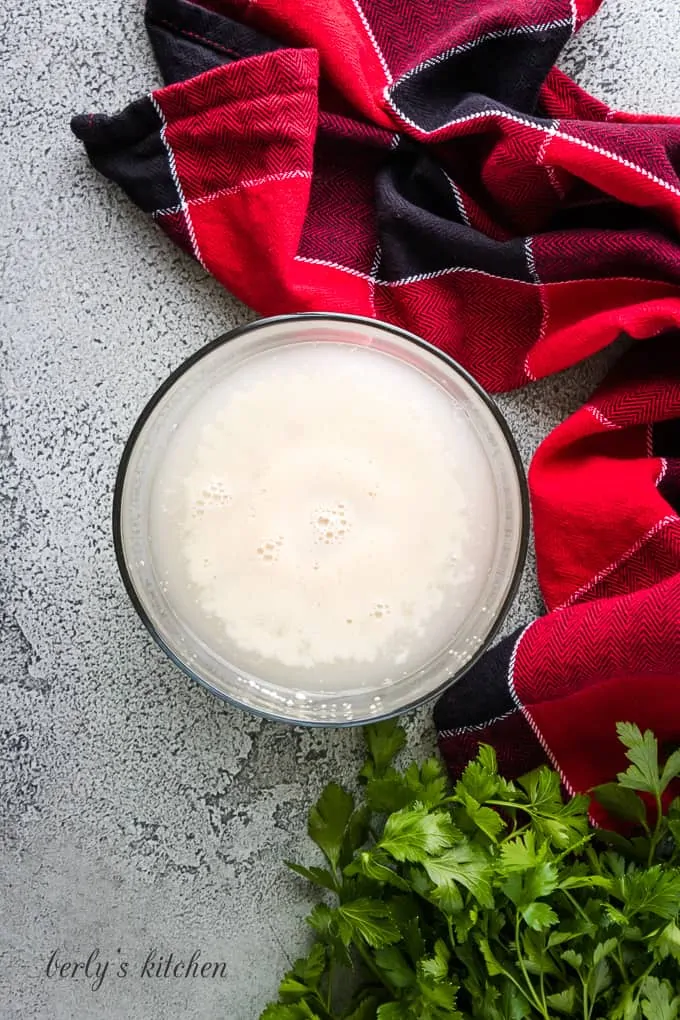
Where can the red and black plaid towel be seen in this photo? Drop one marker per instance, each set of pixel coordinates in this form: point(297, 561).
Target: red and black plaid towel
point(423, 161)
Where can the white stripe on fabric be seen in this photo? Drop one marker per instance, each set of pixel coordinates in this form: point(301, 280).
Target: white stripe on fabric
point(527, 714)
point(375, 266)
point(540, 159)
point(511, 669)
point(635, 548)
point(178, 184)
point(459, 199)
point(599, 417)
point(531, 265)
point(222, 192)
point(485, 114)
point(545, 311)
point(477, 727)
point(435, 274)
point(335, 265)
point(373, 41)
point(527, 368)
point(503, 33)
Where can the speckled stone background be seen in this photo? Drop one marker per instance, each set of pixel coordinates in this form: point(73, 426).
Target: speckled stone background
point(136, 810)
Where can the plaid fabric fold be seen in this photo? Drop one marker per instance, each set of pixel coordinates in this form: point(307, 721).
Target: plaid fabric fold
point(605, 488)
point(423, 162)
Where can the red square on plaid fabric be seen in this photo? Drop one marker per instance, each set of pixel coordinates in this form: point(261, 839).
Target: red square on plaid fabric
point(657, 152)
point(574, 477)
point(242, 122)
point(483, 327)
point(240, 217)
point(583, 316)
point(570, 254)
point(562, 98)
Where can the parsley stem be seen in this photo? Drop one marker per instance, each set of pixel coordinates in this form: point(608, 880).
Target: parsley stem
point(593, 860)
point(654, 842)
point(576, 905)
point(639, 981)
point(541, 1007)
point(515, 832)
point(520, 988)
point(541, 979)
point(618, 956)
point(329, 989)
point(303, 1004)
point(574, 848)
point(510, 804)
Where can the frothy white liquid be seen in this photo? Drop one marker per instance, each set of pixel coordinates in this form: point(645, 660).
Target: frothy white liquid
point(324, 515)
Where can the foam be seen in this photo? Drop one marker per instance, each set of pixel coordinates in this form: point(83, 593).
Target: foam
point(324, 512)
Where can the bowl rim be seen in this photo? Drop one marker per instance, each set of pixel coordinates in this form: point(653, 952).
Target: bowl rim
point(277, 320)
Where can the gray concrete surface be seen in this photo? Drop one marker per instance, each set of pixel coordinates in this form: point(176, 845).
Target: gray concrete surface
point(137, 811)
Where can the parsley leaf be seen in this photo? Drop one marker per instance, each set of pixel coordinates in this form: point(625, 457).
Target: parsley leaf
point(281, 1011)
point(621, 802)
point(466, 865)
point(317, 876)
point(573, 958)
point(521, 853)
point(564, 1001)
point(654, 891)
point(643, 752)
point(658, 1002)
point(667, 942)
point(539, 916)
point(543, 788)
point(480, 778)
point(328, 821)
point(390, 790)
point(671, 770)
point(484, 818)
point(413, 834)
point(437, 966)
point(388, 793)
point(376, 865)
point(393, 963)
point(309, 970)
point(394, 1011)
point(370, 919)
point(384, 741)
point(366, 1010)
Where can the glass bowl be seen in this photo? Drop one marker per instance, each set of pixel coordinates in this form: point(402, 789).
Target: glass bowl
point(141, 544)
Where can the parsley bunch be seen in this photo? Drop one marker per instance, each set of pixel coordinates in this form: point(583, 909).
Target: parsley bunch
point(488, 898)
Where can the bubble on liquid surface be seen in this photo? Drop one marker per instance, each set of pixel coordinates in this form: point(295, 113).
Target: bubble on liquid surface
point(380, 610)
point(214, 495)
point(269, 550)
point(330, 524)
